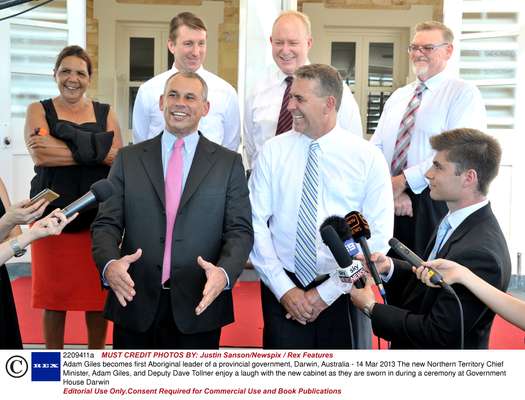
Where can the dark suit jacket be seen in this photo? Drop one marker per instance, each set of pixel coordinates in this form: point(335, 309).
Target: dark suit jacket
point(421, 317)
point(213, 221)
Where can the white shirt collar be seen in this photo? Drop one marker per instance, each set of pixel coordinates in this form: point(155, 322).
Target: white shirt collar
point(434, 82)
point(458, 216)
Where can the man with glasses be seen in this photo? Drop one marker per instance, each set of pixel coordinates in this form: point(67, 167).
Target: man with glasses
point(435, 102)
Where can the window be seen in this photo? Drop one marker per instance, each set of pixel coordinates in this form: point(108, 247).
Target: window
point(36, 38)
point(488, 57)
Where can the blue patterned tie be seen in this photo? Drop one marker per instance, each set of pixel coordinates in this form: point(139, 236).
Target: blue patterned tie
point(306, 241)
point(443, 229)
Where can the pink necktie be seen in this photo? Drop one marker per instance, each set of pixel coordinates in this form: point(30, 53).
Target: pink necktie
point(173, 190)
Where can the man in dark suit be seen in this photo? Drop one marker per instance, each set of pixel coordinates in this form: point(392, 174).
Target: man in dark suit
point(181, 207)
point(417, 316)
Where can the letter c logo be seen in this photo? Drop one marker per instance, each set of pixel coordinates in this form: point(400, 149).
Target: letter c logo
point(16, 366)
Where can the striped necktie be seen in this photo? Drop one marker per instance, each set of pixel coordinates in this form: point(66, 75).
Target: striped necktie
point(284, 124)
point(306, 241)
point(443, 229)
point(399, 159)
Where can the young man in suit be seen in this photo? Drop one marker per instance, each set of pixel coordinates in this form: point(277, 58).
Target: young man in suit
point(176, 234)
point(417, 316)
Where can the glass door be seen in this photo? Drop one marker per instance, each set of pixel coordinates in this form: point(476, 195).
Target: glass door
point(142, 53)
point(373, 64)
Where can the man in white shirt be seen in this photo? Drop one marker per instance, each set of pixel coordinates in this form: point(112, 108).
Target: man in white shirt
point(347, 173)
point(291, 40)
point(445, 102)
point(187, 43)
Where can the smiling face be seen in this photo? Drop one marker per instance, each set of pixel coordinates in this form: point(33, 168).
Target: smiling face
point(427, 64)
point(72, 78)
point(290, 43)
point(189, 48)
point(183, 105)
point(308, 109)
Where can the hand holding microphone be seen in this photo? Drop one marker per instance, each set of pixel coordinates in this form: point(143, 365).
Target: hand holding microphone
point(412, 258)
point(100, 191)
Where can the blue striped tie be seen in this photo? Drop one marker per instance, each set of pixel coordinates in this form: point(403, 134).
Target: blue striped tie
point(306, 241)
point(443, 229)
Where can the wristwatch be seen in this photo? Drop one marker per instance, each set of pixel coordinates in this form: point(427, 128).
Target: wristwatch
point(15, 246)
point(368, 309)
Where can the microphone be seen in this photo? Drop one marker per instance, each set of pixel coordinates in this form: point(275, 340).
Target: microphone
point(343, 231)
point(349, 271)
point(100, 191)
point(413, 259)
point(360, 232)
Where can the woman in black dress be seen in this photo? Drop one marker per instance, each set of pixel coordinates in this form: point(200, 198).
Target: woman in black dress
point(72, 140)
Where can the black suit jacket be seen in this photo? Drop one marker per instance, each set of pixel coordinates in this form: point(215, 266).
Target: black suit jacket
point(213, 221)
point(421, 317)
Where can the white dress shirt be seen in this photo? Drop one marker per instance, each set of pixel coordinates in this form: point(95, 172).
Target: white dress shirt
point(353, 175)
point(263, 106)
point(221, 125)
point(448, 103)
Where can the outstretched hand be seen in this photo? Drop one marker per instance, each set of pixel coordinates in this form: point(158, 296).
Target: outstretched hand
point(215, 284)
point(119, 280)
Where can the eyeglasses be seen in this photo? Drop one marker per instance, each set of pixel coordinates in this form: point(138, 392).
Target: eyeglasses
point(426, 48)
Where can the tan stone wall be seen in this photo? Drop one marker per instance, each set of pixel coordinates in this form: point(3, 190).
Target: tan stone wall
point(379, 5)
point(92, 45)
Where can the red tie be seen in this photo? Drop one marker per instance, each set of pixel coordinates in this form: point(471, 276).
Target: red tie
point(285, 117)
point(173, 190)
point(399, 158)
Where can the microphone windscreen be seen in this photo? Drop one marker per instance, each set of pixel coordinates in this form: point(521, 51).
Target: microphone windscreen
point(336, 246)
point(102, 190)
point(358, 225)
point(340, 226)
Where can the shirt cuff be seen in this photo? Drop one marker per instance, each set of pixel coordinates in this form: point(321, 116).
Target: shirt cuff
point(415, 179)
point(386, 277)
point(280, 284)
point(227, 287)
point(104, 281)
point(332, 288)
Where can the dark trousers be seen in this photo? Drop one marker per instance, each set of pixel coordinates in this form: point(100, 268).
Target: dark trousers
point(331, 330)
point(163, 333)
point(415, 232)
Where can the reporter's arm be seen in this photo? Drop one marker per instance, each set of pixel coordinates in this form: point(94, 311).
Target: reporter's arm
point(18, 214)
point(508, 307)
point(50, 225)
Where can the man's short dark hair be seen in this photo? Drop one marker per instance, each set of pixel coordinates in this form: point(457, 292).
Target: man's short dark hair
point(187, 19)
point(190, 75)
point(471, 149)
point(330, 82)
